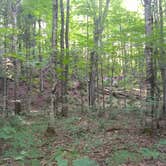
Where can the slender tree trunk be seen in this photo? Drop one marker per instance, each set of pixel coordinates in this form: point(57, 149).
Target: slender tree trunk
point(40, 59)
point(54, 36)
point(14, 8)
point(162, 59)
point(5, 86)
point(92, 80)
point(163, 73)
point(54, 94)
point(149, 57)
point(98, 30)
point(123, 52)
point(102, 82)
point(65, 109)
point(62, 45)
point(28, 68)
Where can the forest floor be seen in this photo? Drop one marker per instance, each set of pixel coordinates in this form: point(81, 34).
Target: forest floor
point(88, 138)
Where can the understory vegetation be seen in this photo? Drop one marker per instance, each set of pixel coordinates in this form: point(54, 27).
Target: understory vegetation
point(82, 139)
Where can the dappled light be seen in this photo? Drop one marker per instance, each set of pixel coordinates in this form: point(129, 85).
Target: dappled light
point(82, 83)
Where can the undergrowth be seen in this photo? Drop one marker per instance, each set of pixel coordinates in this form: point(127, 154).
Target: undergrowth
point(19, 141)
point(80, 140)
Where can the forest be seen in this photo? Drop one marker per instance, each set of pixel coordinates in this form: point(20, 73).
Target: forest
point(82, 83)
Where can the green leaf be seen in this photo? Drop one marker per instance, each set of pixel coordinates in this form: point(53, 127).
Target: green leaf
point(17, 56)
point(35, 162)
point(86, 161)
point(162, 142)
point(61, 161)
point(149, 153)
point(7, 132)
point(20, 157)
point(123, 156)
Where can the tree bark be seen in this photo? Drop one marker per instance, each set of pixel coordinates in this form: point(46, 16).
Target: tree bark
point(162, 59)
point(150, 82)
point(54, 95)
point(65, 109)
point(94, 56)
point(14, 10)
point(5, 84)
point(41, 87)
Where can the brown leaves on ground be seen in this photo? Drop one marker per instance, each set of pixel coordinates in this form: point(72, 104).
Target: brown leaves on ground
point(122, 133)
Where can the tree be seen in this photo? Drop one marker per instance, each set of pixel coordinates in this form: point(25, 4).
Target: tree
point(55, 96)
point(149, 54)
point(62, 54)
point(66, 70)
point(162, 60)
point(94, 56)
point(5, 17)
point(14, 11)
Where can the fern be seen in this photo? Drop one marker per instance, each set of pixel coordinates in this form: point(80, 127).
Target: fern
point(7, 132)
point(148, 153)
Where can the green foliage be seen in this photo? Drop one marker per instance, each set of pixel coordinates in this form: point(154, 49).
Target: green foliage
point(162, 142)
point(19, 56)
point(159, 150)
point(84, 161)
point(123, 156)
point(2, 121)
point(15, 122)
point(91, 143)
point(62, 157)
point(22, 146)
point(69, 124)
point(102, 124)
point(76, 131)
point(35, 162)
point(23, 140)
point(149, 153)
point(20, 138)
point(10, 127)
point(7, 132)
point(61, 161)
point(39, 8)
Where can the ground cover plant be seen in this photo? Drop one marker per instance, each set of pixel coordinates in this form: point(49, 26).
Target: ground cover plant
point(79, 140)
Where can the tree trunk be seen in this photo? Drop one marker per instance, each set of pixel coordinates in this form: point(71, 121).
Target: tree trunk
point(98, 30)
point(14, 8)
point(5, 86)
point(28, 67)
point(54, 95)
point(162, 60)
point(65, 109)
point(62, 54)
point(149, 57)
point(92, 80)
point(102, 82)
point(41, 87)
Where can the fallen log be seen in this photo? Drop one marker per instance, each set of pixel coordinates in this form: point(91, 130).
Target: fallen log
point(121, 93)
